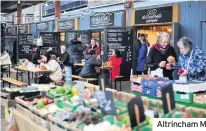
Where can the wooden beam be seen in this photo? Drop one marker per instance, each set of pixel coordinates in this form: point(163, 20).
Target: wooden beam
point(176, 13)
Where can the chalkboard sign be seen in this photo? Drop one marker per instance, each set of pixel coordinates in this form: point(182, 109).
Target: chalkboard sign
point(102, 20)
point(43, 26)
point(70, 35)
point(66, 25)
point(25, 42)
point(121, 39)
point(9, 43)
point(106, 102)
point(22, 29)
point(50, 40)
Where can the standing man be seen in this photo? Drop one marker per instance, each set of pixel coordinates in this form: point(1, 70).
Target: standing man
point(136, 48)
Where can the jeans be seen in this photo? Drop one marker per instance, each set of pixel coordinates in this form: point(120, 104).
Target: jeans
point(68, 72)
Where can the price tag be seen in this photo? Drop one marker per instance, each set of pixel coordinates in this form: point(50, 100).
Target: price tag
point(106, 102)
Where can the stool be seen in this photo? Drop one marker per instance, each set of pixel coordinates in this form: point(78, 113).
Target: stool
point(118, 78)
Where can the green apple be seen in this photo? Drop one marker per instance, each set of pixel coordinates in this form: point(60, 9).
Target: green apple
point(40, 104)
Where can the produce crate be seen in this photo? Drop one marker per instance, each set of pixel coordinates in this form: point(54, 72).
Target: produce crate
point(22, 102)
point(43, 122)
point(57, 125)
point(183, 97)
point(199, 98)
point(25, 112)
point(7, 102)
point(195, 112)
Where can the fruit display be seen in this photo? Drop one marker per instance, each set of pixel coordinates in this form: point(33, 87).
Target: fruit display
point(200, 98)
point(40, 100)
point(82, 114)
point(62, 91)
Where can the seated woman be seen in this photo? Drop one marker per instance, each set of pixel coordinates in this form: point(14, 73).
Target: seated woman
point(53, 66)
point(36, 58)
point(91, 61)
point(191, 60)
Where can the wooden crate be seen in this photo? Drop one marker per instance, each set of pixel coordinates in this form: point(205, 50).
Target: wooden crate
point(57, 125)
point(25, 112)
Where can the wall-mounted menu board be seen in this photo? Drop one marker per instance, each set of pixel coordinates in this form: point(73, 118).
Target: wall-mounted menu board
point(22, 29)
point(43, 26)
point(50, 39)
point(9, 43)
point(66, 25)
point(25, 42)
point(121, 39)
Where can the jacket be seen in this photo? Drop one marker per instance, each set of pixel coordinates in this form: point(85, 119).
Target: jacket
point(35, 58)
point(65, 58)
point(136, 48)
point(142, 58)
point(96, 48)
point(156, 56)
point(56, 72)
point(77, 51)
point(88, 70)
point(197, 65)
point(116, 62)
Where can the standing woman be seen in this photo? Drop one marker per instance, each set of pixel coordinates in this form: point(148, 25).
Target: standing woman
point(159, 54)
point(142, 59)
point(191, 60)
point(93, 46)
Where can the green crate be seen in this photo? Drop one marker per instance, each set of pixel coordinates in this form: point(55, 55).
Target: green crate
point(183, 97)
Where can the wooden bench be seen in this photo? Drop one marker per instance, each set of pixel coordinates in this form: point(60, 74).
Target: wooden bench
point(85, 79)
point(13, 81)
point(118, 78)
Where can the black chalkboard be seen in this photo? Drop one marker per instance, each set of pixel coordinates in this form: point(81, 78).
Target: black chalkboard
point(50, 40)
point(43, 26)
point(102, 20)
point(22, 29)
point(70, 35)
point(106, 102)
point(121, 39)
point(66, 25)
point(25, 42)
point(9, 43)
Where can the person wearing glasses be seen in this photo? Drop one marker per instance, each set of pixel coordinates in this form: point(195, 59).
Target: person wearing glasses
point(159, 54)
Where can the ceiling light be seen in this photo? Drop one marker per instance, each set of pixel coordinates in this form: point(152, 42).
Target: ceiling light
point(18, 1)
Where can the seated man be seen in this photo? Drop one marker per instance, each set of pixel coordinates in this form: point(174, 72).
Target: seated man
point(91, 61)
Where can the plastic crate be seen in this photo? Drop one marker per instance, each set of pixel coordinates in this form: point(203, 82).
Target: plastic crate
point(183, 97)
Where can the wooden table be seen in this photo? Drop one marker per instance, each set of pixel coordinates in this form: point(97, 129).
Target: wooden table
point(102, 67)
point(35, 71)
point(9, 66)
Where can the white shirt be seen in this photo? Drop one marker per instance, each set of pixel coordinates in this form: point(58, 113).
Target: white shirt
point(56, 72)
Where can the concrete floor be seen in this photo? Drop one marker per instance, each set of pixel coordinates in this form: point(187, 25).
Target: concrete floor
point(4, 123)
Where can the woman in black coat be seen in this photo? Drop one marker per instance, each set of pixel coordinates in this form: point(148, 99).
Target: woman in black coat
point(159, 53)
point(77, 49)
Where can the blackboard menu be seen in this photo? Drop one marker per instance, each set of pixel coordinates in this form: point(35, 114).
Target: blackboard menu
point(25, 42)
point(22, 29)
point(50, 40)
point(155, 15)
point(70, 35)
point(43, 26)
point(66, 25)
point(102, 20)
point(121, 39)
point(9, 43)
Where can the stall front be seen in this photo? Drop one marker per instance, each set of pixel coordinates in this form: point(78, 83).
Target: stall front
point(154, 20)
